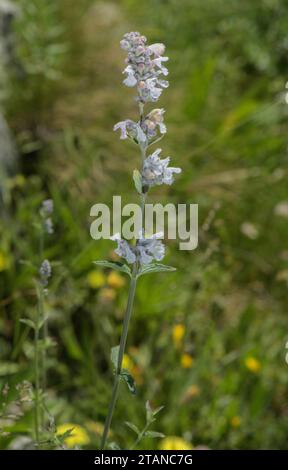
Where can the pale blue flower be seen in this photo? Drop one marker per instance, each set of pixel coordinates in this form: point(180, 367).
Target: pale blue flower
point(124, 249)
point(48, 226)
point(153, 121)
point(130, 129)
point(145, 251)
point(156, 171)
point(45, 272)
point(47, 208)
point(150, 248)
point(46, 211)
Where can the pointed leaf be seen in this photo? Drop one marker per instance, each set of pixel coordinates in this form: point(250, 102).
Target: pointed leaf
point(114, 265)
point(137, 181)
point(154, 268)
point(133, 427)
point(114, 355)
point(157, 410)
point(65, 434)
point(154, 434)
point(114, 446)
point(28, 322)
point(46, 344)
point(41, 322)
point(149, 412)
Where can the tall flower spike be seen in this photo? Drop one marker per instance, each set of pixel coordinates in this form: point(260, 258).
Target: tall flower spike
point(145, 67)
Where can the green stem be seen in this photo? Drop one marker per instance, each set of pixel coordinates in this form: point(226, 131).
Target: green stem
point(40, 300)
point(36, 372)
point(140, 437)
point(43, 367)
point(127, 316)
point(123, 341)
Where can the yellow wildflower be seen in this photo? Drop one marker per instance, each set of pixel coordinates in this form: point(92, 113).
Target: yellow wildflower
point(97, 428)
point(186, 361)
point(137, 375)
point(177, 334)
point(175, 443)
point(127, 362)
point(115, 280)
point(108, 294)
point(252, 364)
point(192, 391)
point(95, 279)
point(78, 437)
point(19, 180)
point(4, 261)
point(235, 421)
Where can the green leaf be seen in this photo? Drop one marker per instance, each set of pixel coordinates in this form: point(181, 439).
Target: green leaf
point(114, 446)
point(114, 265)
point(154, 434)
point(71, 343)
point(137, 181)
point(46, 344)
point(157, 410)
point(127, 377)
point(133, 427)
point(114, 356)
point(154, 268)
point(41, 322)
point(150, 413)
point(28, 322)
point(65, 434)
point(9, 368)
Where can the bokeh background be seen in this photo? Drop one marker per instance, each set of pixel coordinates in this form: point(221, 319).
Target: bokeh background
point(207, 342)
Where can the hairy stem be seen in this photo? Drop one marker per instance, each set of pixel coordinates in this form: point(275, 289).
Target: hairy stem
point(140, 437)
point(128, 313)
point(42, 365)
point(123, 341)
point(36, 371)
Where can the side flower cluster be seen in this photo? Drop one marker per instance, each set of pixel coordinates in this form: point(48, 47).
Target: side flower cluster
point(144, 70)
point(156, 171)
point(145, 250)
point(45, 272)
point(46, 212)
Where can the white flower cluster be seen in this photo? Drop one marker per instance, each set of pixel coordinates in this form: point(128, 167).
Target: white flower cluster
point(145, 250)
point(144, 66)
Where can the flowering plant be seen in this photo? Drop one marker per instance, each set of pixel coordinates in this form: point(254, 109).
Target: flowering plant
point(144, 69)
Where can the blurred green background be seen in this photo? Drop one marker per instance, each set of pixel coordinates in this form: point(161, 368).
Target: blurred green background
point(207, 342)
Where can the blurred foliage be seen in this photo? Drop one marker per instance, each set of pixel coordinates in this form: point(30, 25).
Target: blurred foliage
point(207, 342)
